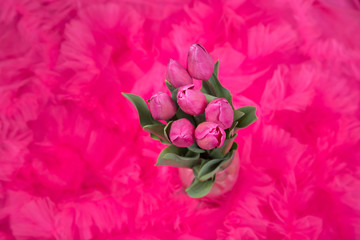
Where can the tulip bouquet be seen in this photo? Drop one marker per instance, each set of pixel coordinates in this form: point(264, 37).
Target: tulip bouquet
point(200, 125)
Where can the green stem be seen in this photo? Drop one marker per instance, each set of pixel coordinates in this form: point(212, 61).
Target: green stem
point(210, 87)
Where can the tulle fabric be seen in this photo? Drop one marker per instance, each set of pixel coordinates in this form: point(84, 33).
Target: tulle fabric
point(75, 163)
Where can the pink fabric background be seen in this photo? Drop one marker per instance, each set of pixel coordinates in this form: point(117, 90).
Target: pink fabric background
point(75, 163)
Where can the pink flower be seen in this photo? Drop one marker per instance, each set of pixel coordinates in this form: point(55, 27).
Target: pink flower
point(177, 74)
point(162, 107)
point(191, 101)
point(200, 63)
point(220, 111)
point(209, 135)
point(182, 133)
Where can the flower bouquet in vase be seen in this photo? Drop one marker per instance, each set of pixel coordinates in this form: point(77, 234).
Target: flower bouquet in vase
point(199, 125)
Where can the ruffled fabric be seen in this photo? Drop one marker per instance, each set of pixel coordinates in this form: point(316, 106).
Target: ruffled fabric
point(75, 163)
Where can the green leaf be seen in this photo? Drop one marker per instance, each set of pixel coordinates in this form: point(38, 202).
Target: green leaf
point(195, 148)
point(174, 95)
point(234, 146)
point(199, 118)
point(248, 118)
point(143, 110)
point(213, 86)
point(171, 149)
point(208, 88)
point(158, 130)
point(209, 98)
point(216, 69)
point(238, 114)
point(153, 136)
point(208, 169)
point(196, 169)
point(211, 167)
point(169, 86)
point(174, 156)
point(167, 131)
point(199, 189)
point(181, 114)
point(232, 130)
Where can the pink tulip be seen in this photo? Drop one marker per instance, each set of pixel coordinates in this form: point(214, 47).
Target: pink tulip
point(177, 74)
point(200, 63)
point(209, 135)
point(220, 111)
point(191, 101)
point(162, 107)
point(182, 133)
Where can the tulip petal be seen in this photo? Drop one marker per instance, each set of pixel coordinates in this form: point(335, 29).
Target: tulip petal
point(191, 101)
point(177, 75)
point(200, 63)
point(182, 133)
point(208, 142)
point(162, 107)
point(202, 130)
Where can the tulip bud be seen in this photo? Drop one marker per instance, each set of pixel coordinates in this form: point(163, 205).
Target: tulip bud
point(200, 63)
point(220, 111)
point(191, 101)
point(162, 107)
point(177, 74)
point(182, 133)
point(209, 135)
